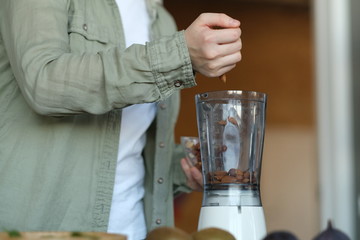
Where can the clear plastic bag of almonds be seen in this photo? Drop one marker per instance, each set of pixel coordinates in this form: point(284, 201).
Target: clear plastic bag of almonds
point(191, 146)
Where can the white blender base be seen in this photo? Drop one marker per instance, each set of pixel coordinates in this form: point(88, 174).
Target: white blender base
point(245, 223)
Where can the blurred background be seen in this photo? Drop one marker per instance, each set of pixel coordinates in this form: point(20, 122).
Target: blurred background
point(304, 55)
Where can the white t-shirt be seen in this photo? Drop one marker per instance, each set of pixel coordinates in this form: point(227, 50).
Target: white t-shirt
point(127, 211)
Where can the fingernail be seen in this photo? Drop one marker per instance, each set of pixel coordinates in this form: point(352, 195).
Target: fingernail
point(235, 22)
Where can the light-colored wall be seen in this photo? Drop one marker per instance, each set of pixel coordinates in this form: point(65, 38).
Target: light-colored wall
point(289, 181)
point(277, 59)
point(355, 14)
point(334, 91)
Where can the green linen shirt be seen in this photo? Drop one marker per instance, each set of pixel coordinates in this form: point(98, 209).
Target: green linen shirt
point(64, 77)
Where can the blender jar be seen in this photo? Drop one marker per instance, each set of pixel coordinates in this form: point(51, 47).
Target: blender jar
point(231, 128)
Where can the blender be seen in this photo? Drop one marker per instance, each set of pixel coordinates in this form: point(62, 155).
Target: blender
point(231, 128)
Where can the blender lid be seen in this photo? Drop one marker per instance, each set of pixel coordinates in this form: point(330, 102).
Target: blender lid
point(231, 94)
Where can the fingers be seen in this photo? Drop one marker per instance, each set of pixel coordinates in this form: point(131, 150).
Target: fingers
point(218, 20)
point(229, 49)
point(223, 70)
point(229, 60)
point(214, 43)
point(194, 181)
point(224, 36)
point(197, 176)
point(186, 167)
point(222, 65)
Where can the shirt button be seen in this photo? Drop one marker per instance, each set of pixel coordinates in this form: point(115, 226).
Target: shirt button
point(178, 83)
point(160, 180)
point(85, 27)
point(158, 221)
point(161, 144)
point(162, 106)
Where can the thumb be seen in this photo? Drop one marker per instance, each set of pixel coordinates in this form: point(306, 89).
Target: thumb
point(219, 20)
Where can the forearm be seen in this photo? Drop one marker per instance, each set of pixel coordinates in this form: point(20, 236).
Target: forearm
point(57, 78)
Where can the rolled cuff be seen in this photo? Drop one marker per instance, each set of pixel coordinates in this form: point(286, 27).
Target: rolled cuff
point(171, 64)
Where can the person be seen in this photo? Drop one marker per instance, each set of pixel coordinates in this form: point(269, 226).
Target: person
point(89, 96)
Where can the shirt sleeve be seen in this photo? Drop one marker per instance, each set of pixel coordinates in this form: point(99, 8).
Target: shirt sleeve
point(56, 80)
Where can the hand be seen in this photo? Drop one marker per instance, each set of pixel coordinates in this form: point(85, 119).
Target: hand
point(214, 43)
point(193, 175)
